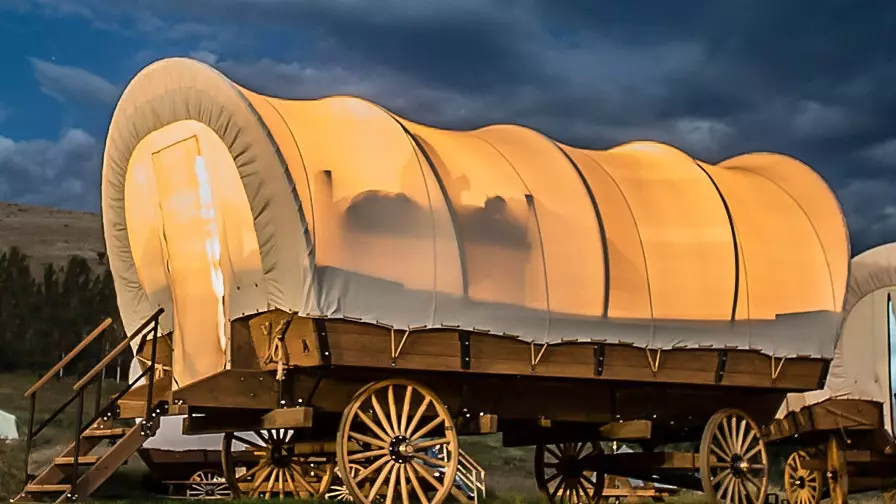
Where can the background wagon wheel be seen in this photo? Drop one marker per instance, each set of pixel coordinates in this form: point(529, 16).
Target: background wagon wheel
point(338, 491)
point(733, 461)
point(889, 496)
point(395, 424)
point(838, 482)
point(563, 475)
point(279, 471)
point(802, 486)
point(209, 484)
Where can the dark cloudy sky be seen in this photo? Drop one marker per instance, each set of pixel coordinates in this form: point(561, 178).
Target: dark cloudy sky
point(816, 80)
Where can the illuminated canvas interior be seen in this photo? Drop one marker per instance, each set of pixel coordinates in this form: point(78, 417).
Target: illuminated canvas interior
point(219, 203)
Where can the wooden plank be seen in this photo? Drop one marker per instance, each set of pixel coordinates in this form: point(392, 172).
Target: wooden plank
point(231, 389)
point(629, 430)
point(365, 345)
point(284, 418)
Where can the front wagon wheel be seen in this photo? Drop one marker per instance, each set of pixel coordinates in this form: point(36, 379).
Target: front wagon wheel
point(403, 438)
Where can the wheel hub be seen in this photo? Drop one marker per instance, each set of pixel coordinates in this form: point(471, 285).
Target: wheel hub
point(739, 465)
point(281, 456)
point(570, 467)
point(800, 482)
point(401, 449)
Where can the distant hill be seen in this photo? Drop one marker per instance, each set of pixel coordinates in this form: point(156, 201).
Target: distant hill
point(50, 234)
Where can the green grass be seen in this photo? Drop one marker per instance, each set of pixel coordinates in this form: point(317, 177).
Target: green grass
point(53, 439)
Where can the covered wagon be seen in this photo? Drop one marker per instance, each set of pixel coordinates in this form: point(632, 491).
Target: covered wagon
point(361, 288)
point(842, 434)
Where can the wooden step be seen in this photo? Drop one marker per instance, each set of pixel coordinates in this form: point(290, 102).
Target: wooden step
point(46, 488)
point(83, 460)
point(106, 433)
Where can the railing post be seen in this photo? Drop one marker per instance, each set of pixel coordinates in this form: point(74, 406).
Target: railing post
point(29, 439)
point(151, 380)
point(77, 445)
point(99, 385)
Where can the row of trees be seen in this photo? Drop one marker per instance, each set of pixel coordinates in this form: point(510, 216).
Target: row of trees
point(43, 318)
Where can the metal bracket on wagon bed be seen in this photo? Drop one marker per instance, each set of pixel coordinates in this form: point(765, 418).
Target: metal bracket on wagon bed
point(536, 358)
point(395, 350)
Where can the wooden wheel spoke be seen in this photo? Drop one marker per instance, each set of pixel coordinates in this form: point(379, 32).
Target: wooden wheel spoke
point(552, 478)
point(405, 411)
point(393, 411)
point(380, 480)
point(419, 414)
point(403, 484)
point(430, 443)
point(248, 442)
point(741, 430)
point(723, 447)
point(560, 486)
point(426, 428)
point(749, 479)
point(248, 474)
point(751, 436)
point(727, 436)
point(754, 451)
point(426, 475)
point(373, 467)
point(384, 422)
point(302, 481)
point(372, 426)
point(368, 454)
point(552, 452)
point(291, 482)
point(719, 453)
point(416, 484)
point(430, 460)
point(280, 478)
point(369, 440)
point(393, 478)
point(272, 478)
point(262, 476)
point(724, 474)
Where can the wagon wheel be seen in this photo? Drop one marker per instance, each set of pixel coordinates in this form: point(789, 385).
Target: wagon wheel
point(838, 481)
point(733, 462)
point(209, 484)
point(338, 490)
point(279, 472)
point(397, 425)
point(563, 474)
point(802, 486)
point(890, 496)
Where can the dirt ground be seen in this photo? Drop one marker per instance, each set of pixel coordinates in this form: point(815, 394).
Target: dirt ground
point(51, 235)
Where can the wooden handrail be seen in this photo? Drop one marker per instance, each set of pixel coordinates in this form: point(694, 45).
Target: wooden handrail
point(118, 349)
point(71, 355)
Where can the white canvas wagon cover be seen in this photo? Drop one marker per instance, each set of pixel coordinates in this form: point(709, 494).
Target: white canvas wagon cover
point(864, 364)
point(219, 202)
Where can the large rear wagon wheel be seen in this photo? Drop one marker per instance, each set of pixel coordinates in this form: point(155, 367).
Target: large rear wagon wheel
point(733, 461)
point(280, 471)
point(564, 472)
point(403, 438)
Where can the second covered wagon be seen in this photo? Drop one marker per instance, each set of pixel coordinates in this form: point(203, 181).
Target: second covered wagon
point(358, 286)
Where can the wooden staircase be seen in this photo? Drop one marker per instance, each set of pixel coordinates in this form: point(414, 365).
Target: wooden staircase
point(77, 472)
